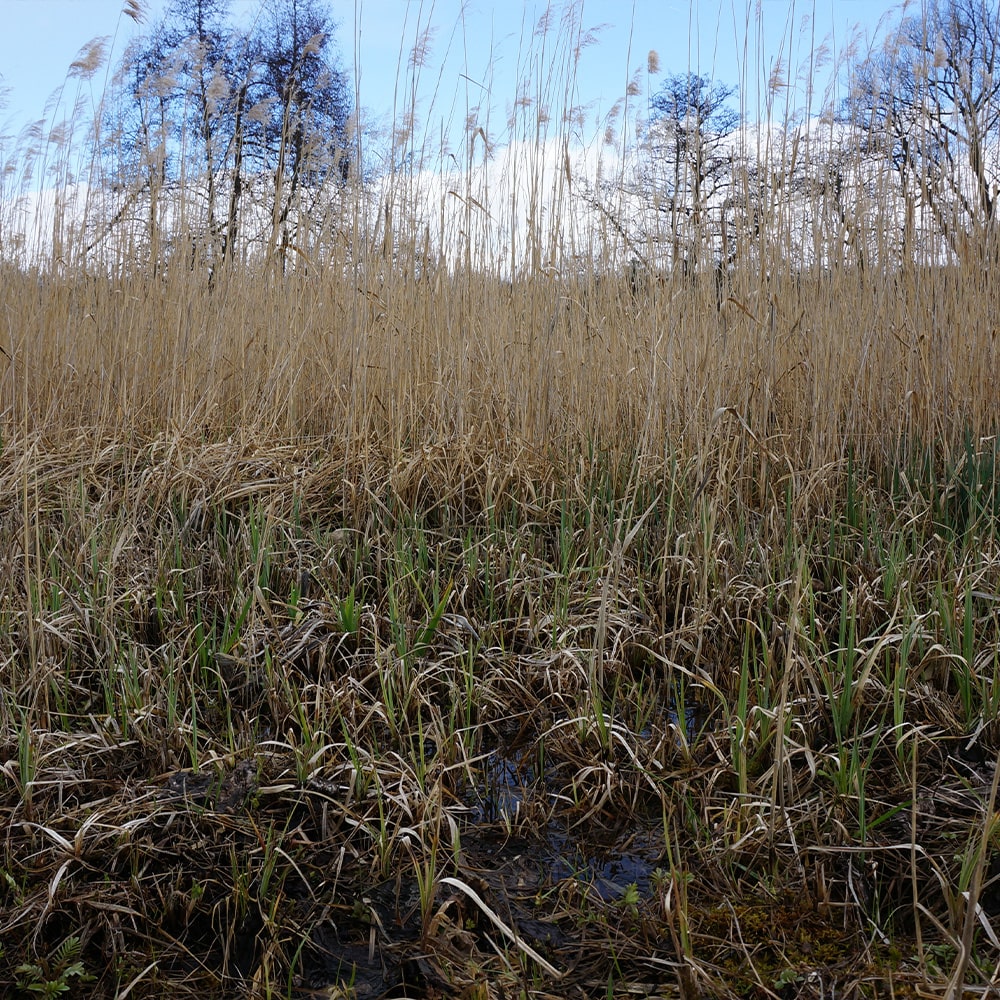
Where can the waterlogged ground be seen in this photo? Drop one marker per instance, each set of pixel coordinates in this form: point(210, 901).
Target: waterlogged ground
point(277, 728)
point(537, 895)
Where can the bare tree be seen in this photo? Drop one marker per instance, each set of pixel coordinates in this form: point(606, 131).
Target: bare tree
point(310, 104)
point(195, 30)
point(692, 159)
point(202, 107)
point(134, 140)
point(927, 104)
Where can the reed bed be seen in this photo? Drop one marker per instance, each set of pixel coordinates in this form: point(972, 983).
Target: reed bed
point(384, 627)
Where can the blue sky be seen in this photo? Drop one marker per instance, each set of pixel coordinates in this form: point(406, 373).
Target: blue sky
point(477, 57)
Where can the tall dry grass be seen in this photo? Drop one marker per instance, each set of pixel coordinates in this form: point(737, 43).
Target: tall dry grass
point(807, 366)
